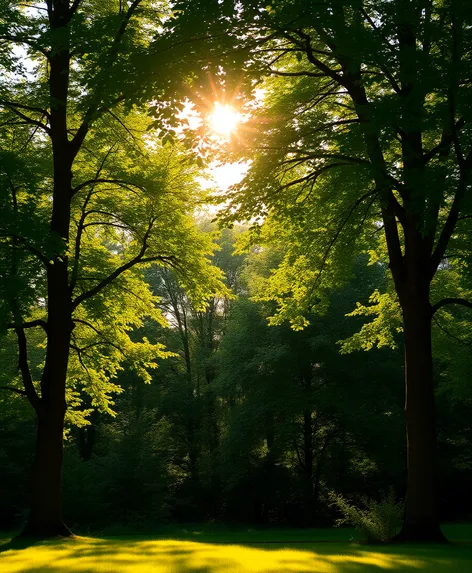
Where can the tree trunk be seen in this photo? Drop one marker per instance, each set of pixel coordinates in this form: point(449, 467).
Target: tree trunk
point(86, 441)
point(308, 467)
point(45, 516)
point(421, 522)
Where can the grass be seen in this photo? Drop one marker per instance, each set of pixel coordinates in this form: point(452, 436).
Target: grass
point(196, 550)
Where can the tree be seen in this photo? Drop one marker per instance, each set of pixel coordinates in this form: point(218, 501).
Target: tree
point(299, 415)
point(200, 332)
point(85, 204)
point(363, 129)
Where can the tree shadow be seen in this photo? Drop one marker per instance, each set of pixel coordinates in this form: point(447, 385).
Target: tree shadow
point(20, 541)
point(17, 543)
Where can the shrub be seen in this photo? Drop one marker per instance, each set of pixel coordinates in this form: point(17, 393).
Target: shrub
point(375, 520)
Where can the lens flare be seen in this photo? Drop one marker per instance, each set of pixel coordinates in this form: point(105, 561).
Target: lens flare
point(224, 119)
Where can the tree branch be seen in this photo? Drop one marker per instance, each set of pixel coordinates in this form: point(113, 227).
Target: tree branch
point(25, 106)
point(445, 142)
point(310, 54)
point(92, 111)
point(453, 336)
point(452, 300)
point(296, 74)
point(125, 184)
point(105, 340)
point(451, 222)
point(120, 270)
point(106, 223)
point(29, 324)
point(80, 227)
point(23, 366)
point(27, 246)
point(13, 389)
point(26, 118)
point(338, 232)
point(24, 40)
point(385, 70)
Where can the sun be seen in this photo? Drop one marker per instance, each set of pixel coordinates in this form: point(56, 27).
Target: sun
point(224, 119)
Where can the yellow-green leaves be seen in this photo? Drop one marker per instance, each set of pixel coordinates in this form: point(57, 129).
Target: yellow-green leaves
point(380, 331)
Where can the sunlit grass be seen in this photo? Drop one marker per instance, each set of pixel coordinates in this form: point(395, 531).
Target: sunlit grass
point(143, 555)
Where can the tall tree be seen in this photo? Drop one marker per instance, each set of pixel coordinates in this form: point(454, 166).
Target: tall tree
point(363, 128)
point(297, 410)
point(82, 212)
point(200, 332)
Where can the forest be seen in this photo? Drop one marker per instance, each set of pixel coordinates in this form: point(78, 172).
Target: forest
point(235, 286)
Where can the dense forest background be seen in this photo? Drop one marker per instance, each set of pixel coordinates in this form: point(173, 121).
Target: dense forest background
point(247, 422)
point(171, 350)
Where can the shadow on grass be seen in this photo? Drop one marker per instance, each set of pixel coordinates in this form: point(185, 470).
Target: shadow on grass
point(17, 543)
point(20, 542)
point(138, 555)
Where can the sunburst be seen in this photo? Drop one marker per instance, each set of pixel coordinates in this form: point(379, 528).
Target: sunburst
point(224, 119)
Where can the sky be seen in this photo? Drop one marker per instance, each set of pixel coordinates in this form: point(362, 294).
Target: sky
point(224, 175)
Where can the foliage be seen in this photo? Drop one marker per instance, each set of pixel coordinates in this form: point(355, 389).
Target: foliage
point(357, 195)
point(359, 141)
point(313, 182)
point(380, 332)
point(377, 520)
point(223, 437)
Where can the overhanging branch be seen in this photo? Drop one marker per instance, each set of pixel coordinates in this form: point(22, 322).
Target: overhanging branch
point(452, 300)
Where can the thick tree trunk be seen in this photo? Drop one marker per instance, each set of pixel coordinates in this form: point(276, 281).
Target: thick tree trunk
point(45, 516)
point(421, 521)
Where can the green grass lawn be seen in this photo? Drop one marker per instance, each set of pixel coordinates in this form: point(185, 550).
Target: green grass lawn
point(201, 550)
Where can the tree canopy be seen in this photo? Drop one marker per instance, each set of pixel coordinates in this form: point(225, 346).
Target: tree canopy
point(354, 130)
